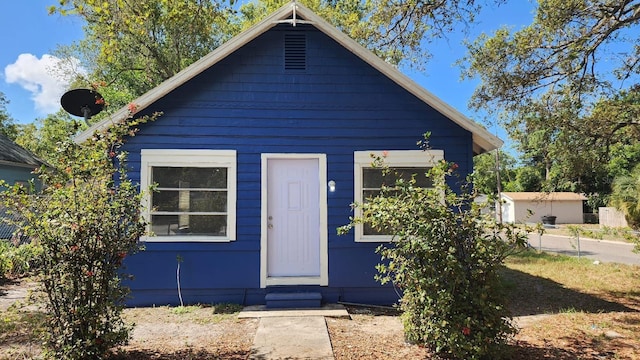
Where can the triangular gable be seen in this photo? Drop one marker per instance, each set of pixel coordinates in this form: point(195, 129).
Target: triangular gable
point(294, 13)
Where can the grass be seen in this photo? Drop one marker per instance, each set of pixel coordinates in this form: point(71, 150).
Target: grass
point(589, 311)
point(199, 314)
point(578, 273)
point(14, 320)
point(20, 333)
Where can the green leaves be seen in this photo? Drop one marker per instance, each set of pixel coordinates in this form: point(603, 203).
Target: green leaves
point(87, 221)
point(134, 46)
point(445, 258)
point(564, 87)
point(7, 126)
point(562, 48)
point(626, 197)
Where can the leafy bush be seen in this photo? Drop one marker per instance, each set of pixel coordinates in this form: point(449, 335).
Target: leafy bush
point(86, 221)
point(5, 262)
point(625, 196)
point(446, 258)
point(19, 260)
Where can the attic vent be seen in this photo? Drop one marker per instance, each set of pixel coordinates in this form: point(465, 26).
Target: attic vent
point(295, 52)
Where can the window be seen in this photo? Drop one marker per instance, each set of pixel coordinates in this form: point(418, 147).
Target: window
point(195, 194)
point(368, 181)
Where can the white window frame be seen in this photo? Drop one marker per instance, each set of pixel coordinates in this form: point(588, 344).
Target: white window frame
point(392, 158)
point(150, 158)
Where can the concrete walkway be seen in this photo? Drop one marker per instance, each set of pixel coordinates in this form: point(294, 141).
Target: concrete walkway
point(13, 292)
point(292, 334)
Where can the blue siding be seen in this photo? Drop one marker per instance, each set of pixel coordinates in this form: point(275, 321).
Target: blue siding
point(250, 104)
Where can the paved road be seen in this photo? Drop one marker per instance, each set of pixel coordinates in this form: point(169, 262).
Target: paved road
point(602, 250)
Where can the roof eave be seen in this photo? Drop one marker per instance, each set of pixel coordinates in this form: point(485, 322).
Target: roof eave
point(19, 164)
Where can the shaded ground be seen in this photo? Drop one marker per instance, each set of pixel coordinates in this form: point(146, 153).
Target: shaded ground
point(556, 323)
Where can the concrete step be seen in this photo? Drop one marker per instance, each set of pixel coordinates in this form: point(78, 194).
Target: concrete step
point(327, 310)
point(293, 300)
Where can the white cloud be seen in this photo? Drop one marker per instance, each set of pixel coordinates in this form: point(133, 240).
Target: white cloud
point(46, 78)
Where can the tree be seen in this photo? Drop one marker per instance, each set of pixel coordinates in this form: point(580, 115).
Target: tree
point(528, 178)
point(565, 48)
point(574, 148)
point(566, 87)
point(44, 136)
point(7, 127)
point(135, 45)
point(626, 196)
point(405, 27)
point(484, 176)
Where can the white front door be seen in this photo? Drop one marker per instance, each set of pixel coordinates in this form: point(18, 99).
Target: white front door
point(294, 225)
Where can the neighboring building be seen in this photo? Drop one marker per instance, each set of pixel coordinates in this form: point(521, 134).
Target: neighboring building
point(16, 166)
point(16, 163)
point(612, 217)
point(262, 147)
point(530, 207)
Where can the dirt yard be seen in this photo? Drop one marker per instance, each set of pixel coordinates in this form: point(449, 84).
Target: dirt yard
point(202, 332)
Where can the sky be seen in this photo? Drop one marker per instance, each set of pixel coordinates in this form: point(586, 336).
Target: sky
point(28, 75)
point(32, 82)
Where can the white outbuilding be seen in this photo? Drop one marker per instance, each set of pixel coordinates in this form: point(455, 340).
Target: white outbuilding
point(531, 207)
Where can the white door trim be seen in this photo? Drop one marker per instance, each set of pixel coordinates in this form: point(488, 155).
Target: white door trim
point(323, 279)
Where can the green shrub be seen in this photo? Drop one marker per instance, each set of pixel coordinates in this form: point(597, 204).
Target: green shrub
point(20, 260)
point(446, 258)
point(625, 196)
point(87, 220)
point(5, 261)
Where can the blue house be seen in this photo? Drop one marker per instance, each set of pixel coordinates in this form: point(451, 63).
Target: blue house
point(262, 147)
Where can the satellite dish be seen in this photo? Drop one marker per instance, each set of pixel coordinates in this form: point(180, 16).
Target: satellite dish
point(82, 102)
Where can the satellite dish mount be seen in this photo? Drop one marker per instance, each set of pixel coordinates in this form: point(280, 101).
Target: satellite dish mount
point(82, 102)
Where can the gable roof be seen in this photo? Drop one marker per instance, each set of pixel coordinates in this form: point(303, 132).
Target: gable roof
point(294, 13)
point(15, 155)
point(543, 196)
